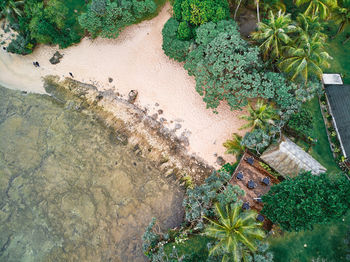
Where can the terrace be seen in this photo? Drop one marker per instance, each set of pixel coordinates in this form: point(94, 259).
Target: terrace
point(253, 179)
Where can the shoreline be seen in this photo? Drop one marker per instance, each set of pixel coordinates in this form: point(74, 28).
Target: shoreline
point(165, 90)
point(133, 127)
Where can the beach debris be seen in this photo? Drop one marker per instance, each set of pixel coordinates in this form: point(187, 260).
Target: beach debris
point(132, 96)
point(220, 161)
point(110, 79)
point(55, 59)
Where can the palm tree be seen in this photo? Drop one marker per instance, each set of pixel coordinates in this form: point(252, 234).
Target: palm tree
point(321, 8)
point(259, 116)
point(10, 9)
point(341, 15)
point(274, 34)
point(257, 2)
point(236, 232)
point(234, 146)
point(307, 57)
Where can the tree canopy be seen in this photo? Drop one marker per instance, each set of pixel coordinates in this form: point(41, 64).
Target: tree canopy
point(301, 202)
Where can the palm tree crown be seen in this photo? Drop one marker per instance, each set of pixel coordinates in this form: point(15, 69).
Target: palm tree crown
point(307, 55)
point(259, 116)
point(233, 146)
point(10, 9)
point(321, 8)
point(341, 14)
point(274, 34)
point(236, 232)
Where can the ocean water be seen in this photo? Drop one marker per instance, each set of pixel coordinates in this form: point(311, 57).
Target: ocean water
point(71, 191)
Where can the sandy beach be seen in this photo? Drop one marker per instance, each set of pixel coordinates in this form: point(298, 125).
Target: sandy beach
point(134, 61)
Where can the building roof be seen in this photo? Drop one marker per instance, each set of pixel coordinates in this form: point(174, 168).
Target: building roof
point(289, 159)
point(339, 102)
point(252, 171)
point(332, 79)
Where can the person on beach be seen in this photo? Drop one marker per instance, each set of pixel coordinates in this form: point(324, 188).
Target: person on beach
point(37, 64)
point(71, 74)
point(34, 64)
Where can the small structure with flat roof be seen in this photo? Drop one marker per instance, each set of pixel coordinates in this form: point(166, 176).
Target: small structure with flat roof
point(332, 79)
point(288, 159)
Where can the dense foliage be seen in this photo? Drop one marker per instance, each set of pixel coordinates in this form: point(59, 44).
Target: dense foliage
point(38, 21)
point(227, 68)
point(200, 200)
point(299, 203)
point(107, 18)
point(193, 13)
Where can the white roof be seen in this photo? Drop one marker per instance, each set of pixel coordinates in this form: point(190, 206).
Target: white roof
point(289, 159)
point(332, 79)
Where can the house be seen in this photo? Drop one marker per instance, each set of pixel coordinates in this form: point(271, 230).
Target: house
point(289, 159)
point(338, 99)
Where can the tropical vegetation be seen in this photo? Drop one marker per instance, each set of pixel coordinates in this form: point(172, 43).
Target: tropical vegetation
point(301, 202)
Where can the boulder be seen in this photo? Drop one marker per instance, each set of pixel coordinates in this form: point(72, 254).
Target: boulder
point(132, 96)
point(55, 59)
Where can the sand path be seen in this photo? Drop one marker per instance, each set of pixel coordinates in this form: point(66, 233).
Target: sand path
point(135, 61)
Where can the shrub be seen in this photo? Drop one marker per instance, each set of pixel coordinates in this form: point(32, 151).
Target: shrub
point(301, 123)
point(299, 203)
point(174, 47)
point(21, 45)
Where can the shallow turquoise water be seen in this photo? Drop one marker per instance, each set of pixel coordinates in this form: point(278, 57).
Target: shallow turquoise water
point(69, 190)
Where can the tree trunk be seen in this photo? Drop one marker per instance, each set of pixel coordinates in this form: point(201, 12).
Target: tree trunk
point(346, 40)
point(257, 10)
point(239, 3)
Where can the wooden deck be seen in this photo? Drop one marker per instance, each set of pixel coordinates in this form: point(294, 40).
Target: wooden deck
point(255, 173)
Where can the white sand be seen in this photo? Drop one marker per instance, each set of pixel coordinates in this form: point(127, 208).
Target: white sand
point(135, 61)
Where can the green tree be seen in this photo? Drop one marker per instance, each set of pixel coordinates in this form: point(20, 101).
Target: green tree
point(235, 231)
point(274, 34)
point(257, 140)
point(11, 9)
point(341, 14)
point(321, 8)
point(224, 65)
point(107, 19)
point(233, 146)
point(298, 203)
point(260, 116)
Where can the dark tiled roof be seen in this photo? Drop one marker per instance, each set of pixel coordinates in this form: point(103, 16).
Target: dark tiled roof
point(339, 101)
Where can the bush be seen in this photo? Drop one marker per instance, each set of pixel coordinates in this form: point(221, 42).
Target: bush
point(174, 47)
point(107, 19)
point(301, 123)
point(299, 203)
point(21, 45)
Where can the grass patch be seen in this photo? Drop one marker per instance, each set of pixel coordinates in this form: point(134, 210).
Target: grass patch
point(330, 242)
point(195, 247)
point(321, 151)
point(340, 53)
